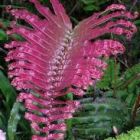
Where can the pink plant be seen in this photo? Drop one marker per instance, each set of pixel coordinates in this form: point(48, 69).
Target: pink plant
point(55, 56)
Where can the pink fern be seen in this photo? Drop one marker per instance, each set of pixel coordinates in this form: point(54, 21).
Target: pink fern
point(56, 56)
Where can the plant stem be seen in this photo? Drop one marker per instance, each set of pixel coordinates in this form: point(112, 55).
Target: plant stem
point(135, 107)
point(115, 77)
point(124, 85)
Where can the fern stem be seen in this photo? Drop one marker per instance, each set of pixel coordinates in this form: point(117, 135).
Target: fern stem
point(115, 77)
point(135, 107)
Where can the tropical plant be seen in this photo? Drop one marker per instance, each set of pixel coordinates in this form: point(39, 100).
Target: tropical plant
point(113, 103)
point(56, 59)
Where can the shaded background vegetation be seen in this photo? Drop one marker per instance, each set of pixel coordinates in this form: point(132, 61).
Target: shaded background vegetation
point(114, 102)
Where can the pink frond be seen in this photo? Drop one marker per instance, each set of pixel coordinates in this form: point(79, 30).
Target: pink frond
point(54, 57)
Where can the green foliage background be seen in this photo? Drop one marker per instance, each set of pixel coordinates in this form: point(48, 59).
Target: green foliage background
point(113, 103)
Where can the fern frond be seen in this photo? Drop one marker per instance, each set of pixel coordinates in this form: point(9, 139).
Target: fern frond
point(96, 119)
point(55, 56)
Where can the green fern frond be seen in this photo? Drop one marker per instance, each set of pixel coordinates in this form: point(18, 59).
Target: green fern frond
point(95, 119)
point(131, 135)
point(108, 78)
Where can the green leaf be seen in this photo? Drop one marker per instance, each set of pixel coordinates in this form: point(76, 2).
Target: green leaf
point(5, 23)
point(130, 78)
point(17, 37)
point(3, 36)
point(8, 92)
point(91, 8)
point(13, 121)
point(2, 120)
point(111, 73)
point(137, 22)
point(130, 135)
point(95, 119)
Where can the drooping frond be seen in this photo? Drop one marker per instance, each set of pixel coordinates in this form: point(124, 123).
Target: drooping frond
point(54, 56)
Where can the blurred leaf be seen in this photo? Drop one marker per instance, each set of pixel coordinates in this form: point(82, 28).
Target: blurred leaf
point(109, 76)
point(17, 37)
point(74, 20)
point(3, 36)
point(13, 121)
point(137, 22)
point(4, 23)
point(2, 121)
point(7, 91)
point(130, 135)
point(95, 119)
point(91, 8)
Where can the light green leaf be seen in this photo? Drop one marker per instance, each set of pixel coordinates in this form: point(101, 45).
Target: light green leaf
point(7, 91)
point(3, 35)
point(13, 121)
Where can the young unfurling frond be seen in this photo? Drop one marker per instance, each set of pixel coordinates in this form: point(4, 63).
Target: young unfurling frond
point(55, 56)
